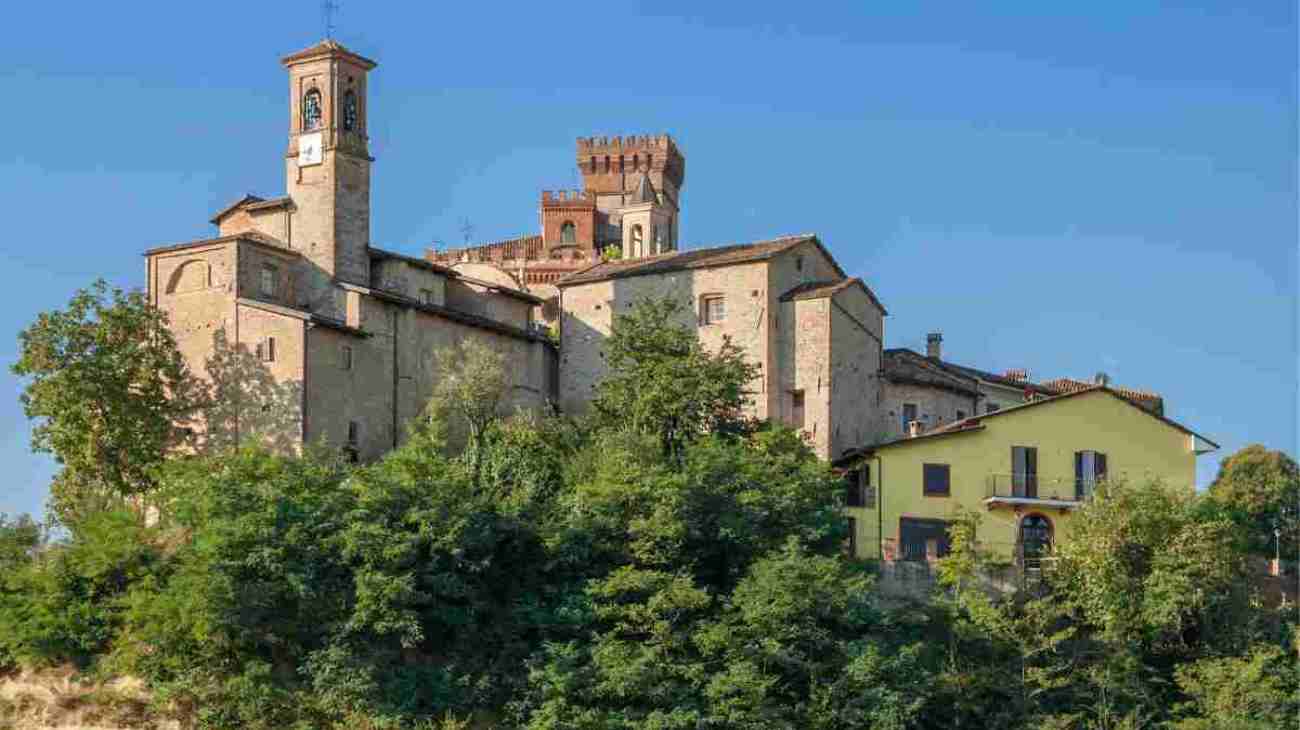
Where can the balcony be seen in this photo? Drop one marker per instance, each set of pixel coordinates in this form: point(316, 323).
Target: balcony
point(1034, 490)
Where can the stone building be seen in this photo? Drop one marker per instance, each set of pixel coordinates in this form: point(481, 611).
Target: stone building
point(629, 205)
point(925, 392)
point(307, 332)
point(815, 333)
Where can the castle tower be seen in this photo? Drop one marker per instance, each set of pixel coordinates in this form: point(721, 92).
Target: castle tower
point(327, 165)
point(613, 169)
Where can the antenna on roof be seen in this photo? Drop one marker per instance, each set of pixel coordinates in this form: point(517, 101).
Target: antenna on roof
point(327, 10)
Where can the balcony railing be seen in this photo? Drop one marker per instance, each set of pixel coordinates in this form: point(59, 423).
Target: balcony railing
point(1033, 486)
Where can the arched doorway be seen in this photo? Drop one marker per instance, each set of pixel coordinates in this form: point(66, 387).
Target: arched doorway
point(1035, 540)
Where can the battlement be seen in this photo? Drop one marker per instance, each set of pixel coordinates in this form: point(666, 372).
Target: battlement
point(607, 163)
point(568, 199)
point(630, 143)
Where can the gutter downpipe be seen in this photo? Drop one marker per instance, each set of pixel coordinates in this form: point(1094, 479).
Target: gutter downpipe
point(880, 508)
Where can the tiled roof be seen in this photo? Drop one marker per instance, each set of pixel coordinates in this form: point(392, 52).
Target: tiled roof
point(327, 47)
point(905, 366)
point(820, 289)
point(249, 202)
point(976, 422)
point(1070, 385)
point(260, 239)
point(379, 253)
point(527, 247)
point(694, 259)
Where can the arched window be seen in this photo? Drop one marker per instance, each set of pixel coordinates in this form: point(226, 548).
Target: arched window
point(311, 110)
point(637, 238)
point(349, 110)
point(568, 233)
point(1035, 538)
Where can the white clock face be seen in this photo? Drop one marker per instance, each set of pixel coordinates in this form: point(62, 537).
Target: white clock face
point(309, 149)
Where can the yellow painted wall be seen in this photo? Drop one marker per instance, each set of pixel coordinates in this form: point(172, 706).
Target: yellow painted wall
point(1138, 446)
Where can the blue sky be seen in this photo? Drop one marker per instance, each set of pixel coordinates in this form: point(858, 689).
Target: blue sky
point(1061, 187)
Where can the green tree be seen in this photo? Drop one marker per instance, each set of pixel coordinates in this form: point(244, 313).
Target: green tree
point(1254, 691)
point(470, 387)
point(663, 382)
point(110, 394)
point(1261, 488)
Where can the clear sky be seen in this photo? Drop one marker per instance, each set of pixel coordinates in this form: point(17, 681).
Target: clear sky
point(1063, 187)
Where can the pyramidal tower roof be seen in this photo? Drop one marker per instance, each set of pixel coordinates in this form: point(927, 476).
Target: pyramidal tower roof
point(645, 191)
point(324, 49)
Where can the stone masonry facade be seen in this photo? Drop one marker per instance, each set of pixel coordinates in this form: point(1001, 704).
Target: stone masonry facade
point(306, 332)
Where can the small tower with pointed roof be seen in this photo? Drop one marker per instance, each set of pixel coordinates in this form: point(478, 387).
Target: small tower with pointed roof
point(648, 228)
point(327, 165)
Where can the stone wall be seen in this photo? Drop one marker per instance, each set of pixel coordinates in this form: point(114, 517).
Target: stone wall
point(588, 310)
point(935, 406)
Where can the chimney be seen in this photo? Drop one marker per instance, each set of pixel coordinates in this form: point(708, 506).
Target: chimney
point(913, 429)
point(1019, 375)
point(934, 345)
point(1101, 379)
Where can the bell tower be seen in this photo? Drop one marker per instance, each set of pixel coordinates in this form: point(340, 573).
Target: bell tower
point(327, 165)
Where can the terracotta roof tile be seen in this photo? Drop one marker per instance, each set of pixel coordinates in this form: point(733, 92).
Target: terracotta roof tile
point(327, 47)
point(693, 259)
point(249, 202)
point(260, 239)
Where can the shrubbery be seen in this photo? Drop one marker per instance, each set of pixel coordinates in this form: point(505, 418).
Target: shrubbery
point(665, 564)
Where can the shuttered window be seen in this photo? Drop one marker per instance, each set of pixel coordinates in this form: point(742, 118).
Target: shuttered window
point(935, 480)
point(1089, 468)
point(1024, 471)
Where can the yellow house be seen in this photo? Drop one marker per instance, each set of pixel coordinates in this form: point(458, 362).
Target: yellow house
point(1025, 468)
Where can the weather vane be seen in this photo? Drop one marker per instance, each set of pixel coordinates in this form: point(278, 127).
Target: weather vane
point(327, 9)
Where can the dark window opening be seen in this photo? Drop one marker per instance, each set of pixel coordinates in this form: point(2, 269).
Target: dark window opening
point(349, 110)
point(568, 232)
point(311, 110)
point(853, 538)
point(1024, 471)
point(1089, 469)
point(922, 539)
point(796, 409)
point(935, 480)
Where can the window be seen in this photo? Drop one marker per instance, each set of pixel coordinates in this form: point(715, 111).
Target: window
point(935, 480)
point(853, 538)
point(354, 433)
point(796, 409)
point(853, 488)
point(426, 296)
point(270, 275)
point(909, 414)
point(1089, 468)
point(266, 350)
point(311, 110)
point(922, 539)
point(349, 110)
point(991, 407)
point(638, 236)
point(713, 309)
point(798, 263)
point(868, 489)
point(568, 233)
point(961, 415)
point(1024, 471)
point(1035, 539)
point(345, 357)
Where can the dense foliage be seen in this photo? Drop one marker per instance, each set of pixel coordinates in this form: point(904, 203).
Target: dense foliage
point(661, 565)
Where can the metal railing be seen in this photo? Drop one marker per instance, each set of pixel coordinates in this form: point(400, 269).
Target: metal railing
point(1033, 486)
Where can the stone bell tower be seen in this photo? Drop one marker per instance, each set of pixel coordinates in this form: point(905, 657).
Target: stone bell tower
point(327, 166)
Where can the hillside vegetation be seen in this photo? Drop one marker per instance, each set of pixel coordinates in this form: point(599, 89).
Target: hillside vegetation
point(664, 563)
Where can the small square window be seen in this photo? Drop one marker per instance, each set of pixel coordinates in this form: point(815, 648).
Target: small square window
point(713, 309)
point(270, 276)
point(426, 296)
point(936, 480)
point(961, 415)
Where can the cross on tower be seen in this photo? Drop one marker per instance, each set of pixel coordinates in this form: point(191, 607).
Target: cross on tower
point(327, 9)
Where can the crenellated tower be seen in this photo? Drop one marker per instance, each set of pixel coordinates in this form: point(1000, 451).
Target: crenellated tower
point(640, 176)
